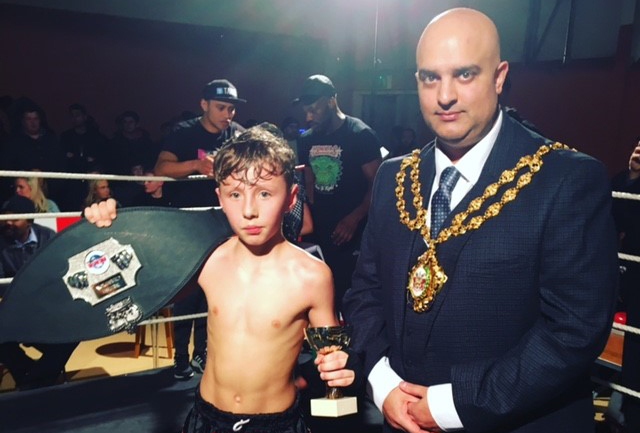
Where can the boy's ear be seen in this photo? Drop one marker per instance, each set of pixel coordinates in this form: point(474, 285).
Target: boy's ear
point(293, 197)
point(219, 200)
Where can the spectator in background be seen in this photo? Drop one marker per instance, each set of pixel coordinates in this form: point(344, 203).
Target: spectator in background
point(30, 187)
point(153, 194)
point(83, 144)
point(20, 239)
point(130, 146)
point(403, 142)
point(99, 190)
point(34, 147)
point(627, 216)
point(84, 148)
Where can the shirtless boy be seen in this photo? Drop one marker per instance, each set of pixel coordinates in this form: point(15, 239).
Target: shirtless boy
point(262, 291)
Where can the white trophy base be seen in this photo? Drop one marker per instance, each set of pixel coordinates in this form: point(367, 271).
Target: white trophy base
point(334, 408)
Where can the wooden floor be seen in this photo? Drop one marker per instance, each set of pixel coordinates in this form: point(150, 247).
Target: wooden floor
point(107, 357)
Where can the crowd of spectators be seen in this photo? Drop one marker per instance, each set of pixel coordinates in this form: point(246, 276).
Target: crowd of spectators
point(27, 143)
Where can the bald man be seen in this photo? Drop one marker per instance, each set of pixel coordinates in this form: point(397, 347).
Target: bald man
point(489, 321)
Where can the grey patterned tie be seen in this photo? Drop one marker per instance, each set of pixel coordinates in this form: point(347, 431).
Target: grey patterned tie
point(441, 200)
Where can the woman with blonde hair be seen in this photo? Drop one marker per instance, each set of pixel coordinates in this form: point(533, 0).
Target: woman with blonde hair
point(99, 190)
point(31, 188)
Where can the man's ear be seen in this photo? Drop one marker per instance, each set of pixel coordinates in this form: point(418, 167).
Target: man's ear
point(501, 76)
point(293, 197)
point(204, 105)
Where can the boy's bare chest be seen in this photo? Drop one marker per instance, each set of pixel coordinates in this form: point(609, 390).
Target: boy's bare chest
point(261, 301)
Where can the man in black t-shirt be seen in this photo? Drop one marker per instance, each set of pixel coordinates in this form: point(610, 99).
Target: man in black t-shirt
point(341, 155)
point(187, 150)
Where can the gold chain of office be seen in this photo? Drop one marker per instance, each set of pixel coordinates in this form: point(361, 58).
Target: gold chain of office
point(427, 277)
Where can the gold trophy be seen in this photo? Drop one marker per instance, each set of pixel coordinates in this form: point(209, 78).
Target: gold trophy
point(324, 340)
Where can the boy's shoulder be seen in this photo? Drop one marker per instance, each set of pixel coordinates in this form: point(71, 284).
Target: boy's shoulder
point(312, 266)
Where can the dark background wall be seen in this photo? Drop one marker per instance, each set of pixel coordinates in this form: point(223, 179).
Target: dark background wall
point(111, 64)
point(158, 69)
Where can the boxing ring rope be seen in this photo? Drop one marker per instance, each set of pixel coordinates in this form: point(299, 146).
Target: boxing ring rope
point(156, 320)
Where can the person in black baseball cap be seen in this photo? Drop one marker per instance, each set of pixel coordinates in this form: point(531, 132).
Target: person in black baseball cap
point(185, 151)
point(314, 88)
point(221, 90)
point(341, 155)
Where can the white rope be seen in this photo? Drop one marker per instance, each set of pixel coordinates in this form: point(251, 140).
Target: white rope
point(82, 176)
point(173, 319)
point(625, 195)
point(629, 257)
point(626, 328)
point(30, 216)
point(619, 388)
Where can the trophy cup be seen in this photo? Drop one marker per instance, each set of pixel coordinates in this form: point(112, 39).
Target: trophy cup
point(325, 340)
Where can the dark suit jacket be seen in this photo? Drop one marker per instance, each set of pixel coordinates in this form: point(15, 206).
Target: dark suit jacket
point(529, 300)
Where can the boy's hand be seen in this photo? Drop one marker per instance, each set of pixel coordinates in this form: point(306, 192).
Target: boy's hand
point(332, 369)
point(101, 214)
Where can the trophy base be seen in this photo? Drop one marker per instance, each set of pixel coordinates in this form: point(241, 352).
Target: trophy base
point(334, 408)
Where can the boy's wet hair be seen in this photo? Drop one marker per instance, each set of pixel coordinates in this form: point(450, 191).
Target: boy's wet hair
point(261, 146)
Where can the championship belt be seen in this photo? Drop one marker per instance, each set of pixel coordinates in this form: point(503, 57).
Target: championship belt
point(89, 282)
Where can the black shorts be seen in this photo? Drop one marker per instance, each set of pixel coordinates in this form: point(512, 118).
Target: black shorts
point(206, 418)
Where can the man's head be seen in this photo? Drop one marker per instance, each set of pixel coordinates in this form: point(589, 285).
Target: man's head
point(152, 187)
point(319, 102)
point(130, 120)
point(17, 229)
point(31, 123)
point(78, 115)
point(459, 76)
point(218, 103)
point(256, 187)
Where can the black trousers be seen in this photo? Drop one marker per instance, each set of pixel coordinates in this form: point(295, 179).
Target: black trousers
point(195, 302)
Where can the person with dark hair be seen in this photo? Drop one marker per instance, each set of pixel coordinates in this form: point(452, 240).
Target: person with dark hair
point(20, 239)
point(255, 336)
point(35, 147)
point(188, 148)
point(403, 142)
point(130, 146)
point(486, 282)
point(153, 194)
point(185, 151)
point(341, 155)
point(84, 148)
point(83, 144)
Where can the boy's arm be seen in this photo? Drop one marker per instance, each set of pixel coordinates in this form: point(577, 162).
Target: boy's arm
point(336, 368)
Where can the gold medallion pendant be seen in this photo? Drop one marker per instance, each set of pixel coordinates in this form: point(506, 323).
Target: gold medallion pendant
point(427, 278)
